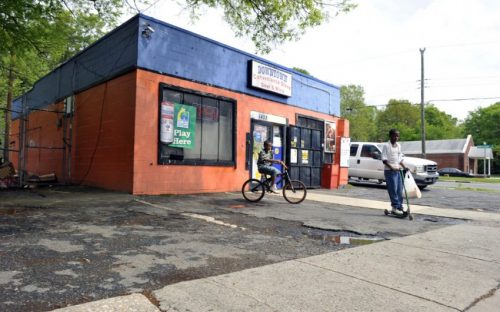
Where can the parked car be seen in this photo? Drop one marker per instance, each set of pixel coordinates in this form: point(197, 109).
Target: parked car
point(365, 163)
point(453, 172)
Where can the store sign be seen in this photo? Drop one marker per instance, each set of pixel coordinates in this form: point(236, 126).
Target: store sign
point(268, 117)
point(184, 126)
point(270, 79)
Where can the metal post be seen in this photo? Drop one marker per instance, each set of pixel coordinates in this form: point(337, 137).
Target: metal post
point(422, 112)
point(22, 142)
point(484, 163)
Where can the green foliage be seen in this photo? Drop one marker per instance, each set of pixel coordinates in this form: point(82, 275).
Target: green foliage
point(37, 35)
point(402, 115)
point(301, 70)
point(440, 126)
point(361, 117)
point(272, 22)
point(406, 117)
point(469, 180)
point(483, 124)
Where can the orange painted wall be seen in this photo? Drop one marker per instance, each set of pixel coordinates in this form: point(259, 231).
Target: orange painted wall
point(44, 141)
point(151, 178)
point(103, 135)
point(115, 139)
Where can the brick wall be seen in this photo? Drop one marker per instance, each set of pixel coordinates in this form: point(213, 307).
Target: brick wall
point(103, 135)
point(151, 178)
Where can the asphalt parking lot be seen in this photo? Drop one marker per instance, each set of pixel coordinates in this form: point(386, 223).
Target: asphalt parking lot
point(63, 246)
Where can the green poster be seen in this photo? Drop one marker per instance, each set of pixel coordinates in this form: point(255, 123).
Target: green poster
point(184, 126)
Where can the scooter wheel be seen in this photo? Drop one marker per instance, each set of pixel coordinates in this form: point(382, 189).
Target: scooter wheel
point(410, 217)
point(386, 212)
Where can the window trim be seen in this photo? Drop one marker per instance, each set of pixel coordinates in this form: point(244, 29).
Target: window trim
point(198, 162)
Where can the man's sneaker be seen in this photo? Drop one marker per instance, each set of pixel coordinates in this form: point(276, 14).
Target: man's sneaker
point(274, 189)
point(396, 211)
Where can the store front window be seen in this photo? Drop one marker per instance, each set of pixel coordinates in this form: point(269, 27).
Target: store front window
point(195, 128)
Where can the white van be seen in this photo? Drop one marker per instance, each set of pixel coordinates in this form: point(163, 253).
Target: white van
point(365, 163)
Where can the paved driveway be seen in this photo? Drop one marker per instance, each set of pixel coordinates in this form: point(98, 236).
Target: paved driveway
point(63, 246)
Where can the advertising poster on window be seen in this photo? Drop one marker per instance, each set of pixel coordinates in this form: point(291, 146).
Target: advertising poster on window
point(293, 155)
point(184, 126)
point(345, 151)
point(330, 137)
point(167, 122)
point(305, 157)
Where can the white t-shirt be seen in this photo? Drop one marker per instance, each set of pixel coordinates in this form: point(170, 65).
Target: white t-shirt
point(392, 154)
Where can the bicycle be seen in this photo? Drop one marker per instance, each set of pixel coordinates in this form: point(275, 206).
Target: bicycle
point(294, 191)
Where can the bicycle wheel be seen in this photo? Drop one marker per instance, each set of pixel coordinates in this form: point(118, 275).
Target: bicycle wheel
point(294, 191)
point(253, 190)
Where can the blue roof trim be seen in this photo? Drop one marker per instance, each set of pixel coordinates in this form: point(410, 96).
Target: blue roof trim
point(110, 56)
point(175, 52)
point(252, 56)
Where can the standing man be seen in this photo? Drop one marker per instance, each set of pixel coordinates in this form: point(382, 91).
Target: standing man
point(265, 164)
point(393, 163)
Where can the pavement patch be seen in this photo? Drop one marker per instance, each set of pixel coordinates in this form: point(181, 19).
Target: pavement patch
point(60, 245)
point(7, 277)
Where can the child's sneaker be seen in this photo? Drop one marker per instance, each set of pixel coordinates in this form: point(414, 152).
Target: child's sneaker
point(274, 189)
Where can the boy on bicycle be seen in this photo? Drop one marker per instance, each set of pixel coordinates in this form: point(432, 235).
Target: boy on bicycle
point(264, 164)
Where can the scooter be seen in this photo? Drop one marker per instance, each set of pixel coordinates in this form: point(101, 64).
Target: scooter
point(406, 210)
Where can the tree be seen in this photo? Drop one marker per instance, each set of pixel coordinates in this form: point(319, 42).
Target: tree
point(402, 115)
point(361, 117)
point(272, 22)
point(37, 35)
point(484, 127)
point(405, 116)
point(301, 70)
point(439, 125)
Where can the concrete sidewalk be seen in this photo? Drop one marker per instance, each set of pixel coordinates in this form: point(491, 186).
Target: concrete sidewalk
point(416, 209)
point(456, 268)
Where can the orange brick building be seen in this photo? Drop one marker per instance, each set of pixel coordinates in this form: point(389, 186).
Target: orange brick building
point(171, 112)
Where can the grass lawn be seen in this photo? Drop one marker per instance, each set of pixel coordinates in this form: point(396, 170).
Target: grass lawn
point(493, 179)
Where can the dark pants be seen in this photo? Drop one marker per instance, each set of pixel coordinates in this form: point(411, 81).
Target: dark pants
point(394, 188)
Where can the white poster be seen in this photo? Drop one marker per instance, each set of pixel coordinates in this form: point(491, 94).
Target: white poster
point(293, 155)
point(167, 122)
point(345, 151)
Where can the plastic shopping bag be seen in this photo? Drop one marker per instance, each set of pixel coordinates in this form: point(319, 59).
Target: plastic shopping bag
point(412, 190)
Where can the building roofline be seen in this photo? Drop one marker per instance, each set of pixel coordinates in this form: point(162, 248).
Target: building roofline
point(108, 34)
point(253, 56)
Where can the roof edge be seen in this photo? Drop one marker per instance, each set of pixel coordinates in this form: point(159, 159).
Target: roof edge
point(253, 56)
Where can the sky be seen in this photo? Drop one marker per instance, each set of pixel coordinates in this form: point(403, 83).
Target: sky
point(377, 46)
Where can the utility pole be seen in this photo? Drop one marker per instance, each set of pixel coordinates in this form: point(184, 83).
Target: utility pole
point(422, 112)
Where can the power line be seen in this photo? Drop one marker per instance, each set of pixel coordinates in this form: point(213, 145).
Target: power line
point(439, 100)
point(465, 77)
point(465, 44)
point(466, 99)
point(464, 85)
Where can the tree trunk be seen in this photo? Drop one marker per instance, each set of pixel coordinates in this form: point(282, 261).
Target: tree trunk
point(7, 115)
